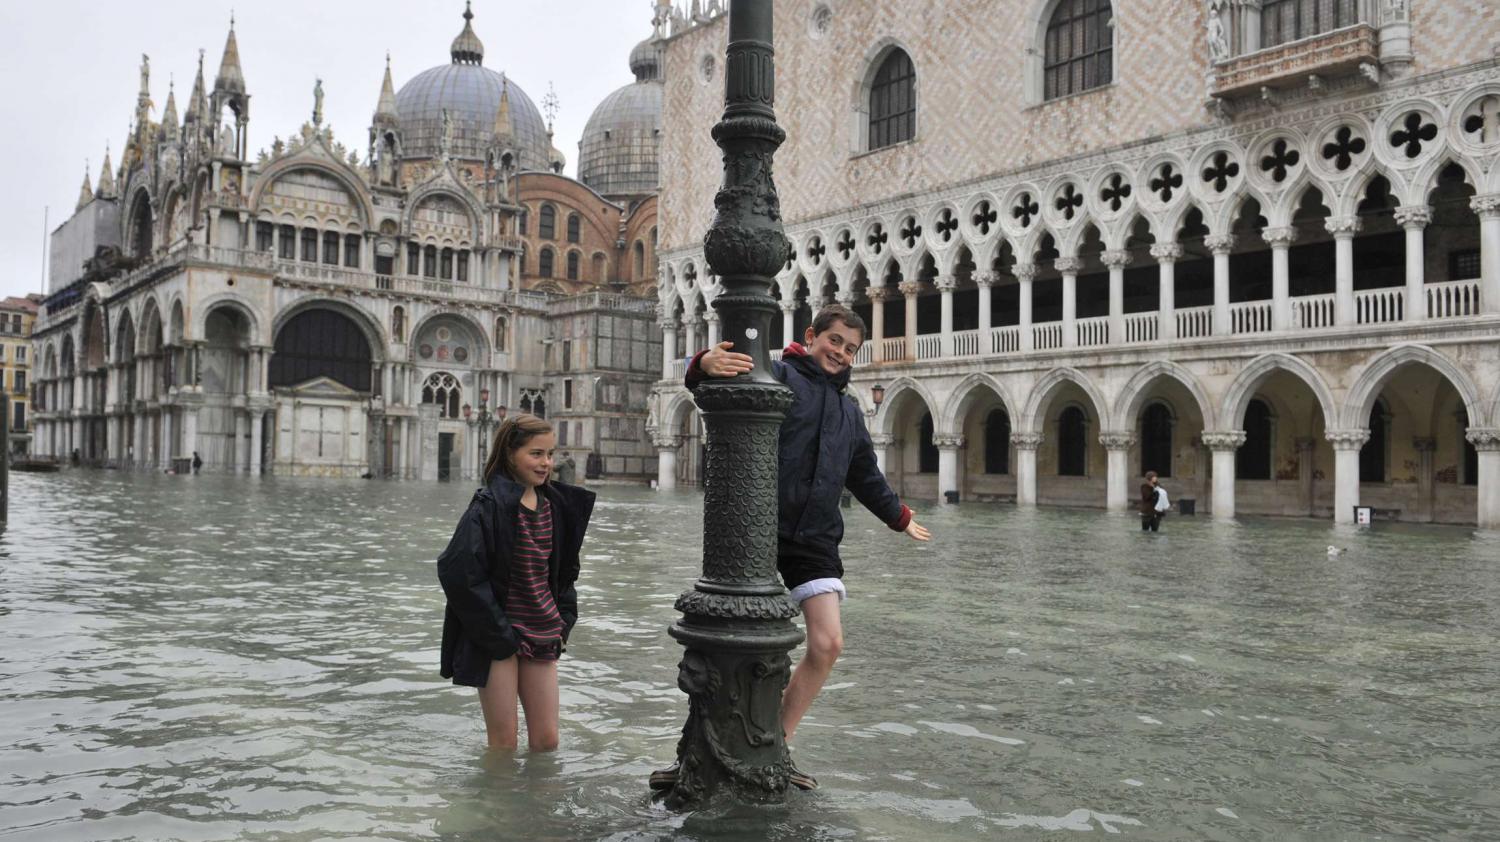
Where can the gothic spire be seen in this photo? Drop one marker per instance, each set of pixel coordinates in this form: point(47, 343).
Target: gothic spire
point(504, 131)
point(106, 178)
point(85, 195)
point(467, 48)
point(195, 99)
point(230, 79)
point(385, 108)
point(169, 123)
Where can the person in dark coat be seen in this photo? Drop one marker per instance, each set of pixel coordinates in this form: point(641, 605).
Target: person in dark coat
point(197, 462)
point(824, 449)
point(1150, 516)
point(510, 574)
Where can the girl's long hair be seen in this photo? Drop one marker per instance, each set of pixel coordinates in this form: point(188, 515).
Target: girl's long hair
point(513, 434)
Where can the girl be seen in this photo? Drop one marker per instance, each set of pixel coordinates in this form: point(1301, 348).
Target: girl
point(509, 574)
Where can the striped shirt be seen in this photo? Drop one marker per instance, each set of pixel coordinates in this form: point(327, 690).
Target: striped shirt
point(529, 604)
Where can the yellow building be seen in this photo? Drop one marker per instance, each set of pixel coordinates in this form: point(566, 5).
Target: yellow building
point(16, 318)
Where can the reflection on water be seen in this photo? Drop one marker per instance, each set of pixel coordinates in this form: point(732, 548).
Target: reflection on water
point(207, 658)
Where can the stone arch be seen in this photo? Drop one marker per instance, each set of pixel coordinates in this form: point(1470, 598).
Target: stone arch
point(1366, 389)
point(374, 332)
point(233, 301)
point(1425, 180)
point(1347, 202)
point(139, 224)
point(1251, 376)
point(677, 410)
point(1134, 393)
point(963, 396)
point(337, 171)
point(1043, 392)
point(479, 334)
point(884, 417)
point(476, 213)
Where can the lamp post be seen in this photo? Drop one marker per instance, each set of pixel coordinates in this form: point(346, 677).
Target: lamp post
point(736, 625)
point(877, 394)
point(484, 428)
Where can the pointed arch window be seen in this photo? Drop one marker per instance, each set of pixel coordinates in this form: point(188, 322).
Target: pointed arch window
point(893, 101)
point(544, 263)
point(574, 228)
point(546, 223)
point(444, 390)
point(1078, 53)
point(1372, 457)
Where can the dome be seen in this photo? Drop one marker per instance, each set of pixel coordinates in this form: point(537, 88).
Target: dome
point(471, 93)
point(618, 153)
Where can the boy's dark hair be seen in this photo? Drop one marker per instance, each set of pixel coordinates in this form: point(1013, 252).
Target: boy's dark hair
point(839, 313)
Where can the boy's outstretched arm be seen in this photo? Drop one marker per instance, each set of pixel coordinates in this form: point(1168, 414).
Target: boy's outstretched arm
point(717, 361)
point(868, 485)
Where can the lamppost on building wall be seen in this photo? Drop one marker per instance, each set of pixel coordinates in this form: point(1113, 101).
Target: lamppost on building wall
point(736, 624)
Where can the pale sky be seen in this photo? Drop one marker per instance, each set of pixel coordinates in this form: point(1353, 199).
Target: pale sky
point(70, 72)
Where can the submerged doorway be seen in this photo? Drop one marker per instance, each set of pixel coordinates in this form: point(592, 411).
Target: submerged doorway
point(445, 456)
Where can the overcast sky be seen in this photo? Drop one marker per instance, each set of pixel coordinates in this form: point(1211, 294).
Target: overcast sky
point(70, 72)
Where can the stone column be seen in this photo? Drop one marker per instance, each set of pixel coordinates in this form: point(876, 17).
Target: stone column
point(690, 330)
point(1414, 219)
point(1115, 260)
point(168, 444)
point(668, 346)
point(1025, 274)
point(789, 322)
point(1117, 444)
point(1221, 245)
point(711, 318)
point(882, 445)
point(985, 281)
point(945, 285)
point(911, 289)
point(189, 429)
point(1280, 240)
point(1224, 445)
point(1425, 446)
point(1167, 255)
point(1343, 229)
point(257, 418)
point(1026, 447)
point(666, 461)
point(1306, 470)
point(948, 447)
point(1486, 440)
point(877, 320)
point(1346, 447)
point(139, 443)
point(1069, 267)
point(1488, 209)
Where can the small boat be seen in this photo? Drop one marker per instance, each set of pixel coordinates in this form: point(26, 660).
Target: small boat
point(36, 466)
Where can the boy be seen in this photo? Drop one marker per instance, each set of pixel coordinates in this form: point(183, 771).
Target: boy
point(824, 448)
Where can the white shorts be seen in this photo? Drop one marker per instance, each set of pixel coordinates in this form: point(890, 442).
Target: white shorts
point(806, 590)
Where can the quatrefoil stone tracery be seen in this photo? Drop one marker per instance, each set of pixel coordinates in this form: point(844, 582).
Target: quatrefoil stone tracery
point(1220, 171)
point(1069, 200)
point(1025, 209)
point(1415, 131)
point(985, 217)
point(1281, 160)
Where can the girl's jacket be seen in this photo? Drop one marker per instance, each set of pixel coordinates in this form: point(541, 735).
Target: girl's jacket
point(475, 573)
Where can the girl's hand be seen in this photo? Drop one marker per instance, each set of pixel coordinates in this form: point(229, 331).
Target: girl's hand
point(918, 532)
point(719, 361)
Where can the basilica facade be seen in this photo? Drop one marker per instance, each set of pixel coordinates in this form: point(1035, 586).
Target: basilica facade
point(316, 309)
point(1251, 246)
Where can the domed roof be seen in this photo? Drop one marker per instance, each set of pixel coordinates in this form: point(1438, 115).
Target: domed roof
point(470, 92)
point(618, 153)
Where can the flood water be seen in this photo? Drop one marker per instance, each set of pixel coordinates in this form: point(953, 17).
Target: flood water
point(207, 658)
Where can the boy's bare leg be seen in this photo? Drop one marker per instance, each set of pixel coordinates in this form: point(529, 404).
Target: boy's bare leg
point(825, 640)
point(497, 698)
point(539, 698)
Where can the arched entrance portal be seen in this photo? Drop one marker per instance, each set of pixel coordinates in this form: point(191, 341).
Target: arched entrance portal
point(321, 376)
